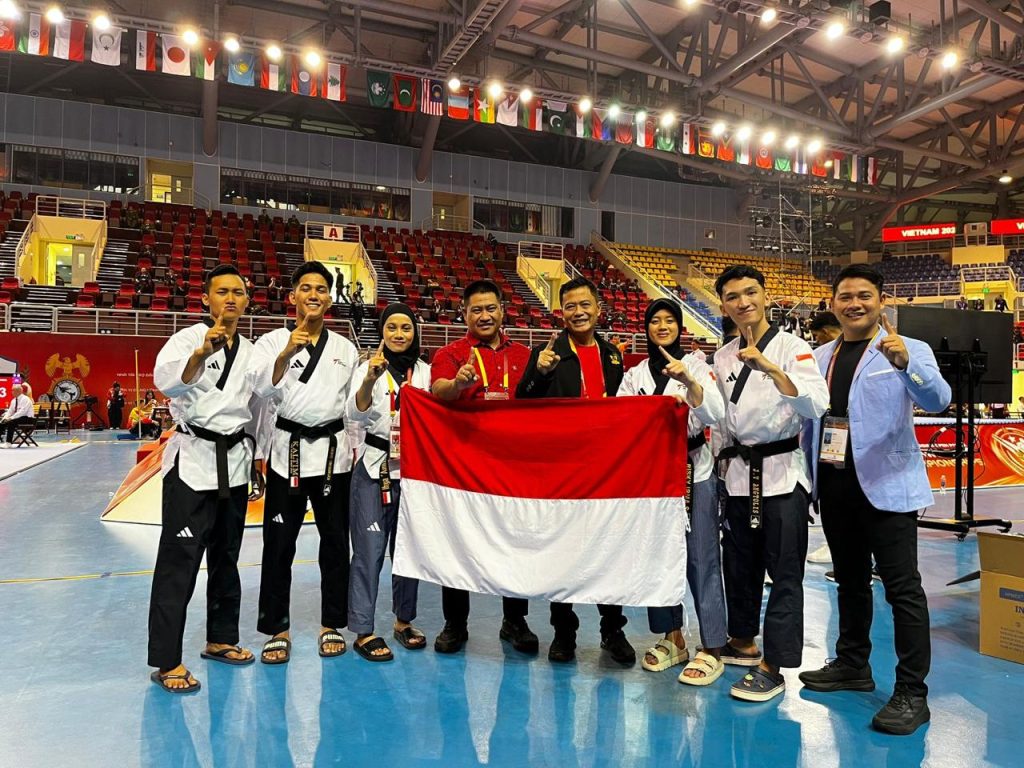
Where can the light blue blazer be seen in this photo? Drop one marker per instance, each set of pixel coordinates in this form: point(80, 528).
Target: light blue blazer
point(887, 457)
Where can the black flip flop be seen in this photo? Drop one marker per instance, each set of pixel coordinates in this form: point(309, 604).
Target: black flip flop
point(332, 637)
point(736, 657)
point(159, 679)
point(276, 644)
point(365, 650)
point(406, 637)
point(223, 658)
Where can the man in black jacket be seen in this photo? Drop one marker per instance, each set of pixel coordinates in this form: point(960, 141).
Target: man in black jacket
point(578, 363)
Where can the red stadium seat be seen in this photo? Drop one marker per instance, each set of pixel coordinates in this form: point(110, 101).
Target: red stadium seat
point(159, 304)
point(123, 302)
point(85, 300)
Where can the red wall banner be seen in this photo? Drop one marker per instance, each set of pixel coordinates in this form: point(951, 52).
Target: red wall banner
point(918, 232)
point(999, 462)
point(70, 366)
point(1006, 227)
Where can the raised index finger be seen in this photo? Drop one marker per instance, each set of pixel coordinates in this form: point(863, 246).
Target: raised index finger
point(888, 326)
point(666, 355)
point(380, 349)
point(551, 342)
point(748, 332)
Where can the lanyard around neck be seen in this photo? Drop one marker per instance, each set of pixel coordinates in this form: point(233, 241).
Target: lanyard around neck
point(583, 378)
point(483, 370)
point(835, 354)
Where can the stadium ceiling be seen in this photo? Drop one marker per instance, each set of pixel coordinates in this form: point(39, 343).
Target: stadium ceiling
point(942, 136)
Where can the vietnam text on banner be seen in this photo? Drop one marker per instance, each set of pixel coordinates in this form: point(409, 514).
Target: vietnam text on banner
point(564, 500)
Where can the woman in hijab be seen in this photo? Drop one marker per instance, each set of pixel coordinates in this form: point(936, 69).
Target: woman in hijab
point(688, 379)
point(376, 485)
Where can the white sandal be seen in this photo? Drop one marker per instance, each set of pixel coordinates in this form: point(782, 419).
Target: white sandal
point(706, 663)
point(668, 655)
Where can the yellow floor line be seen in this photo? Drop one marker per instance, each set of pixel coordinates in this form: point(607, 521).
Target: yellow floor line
point(111, 574)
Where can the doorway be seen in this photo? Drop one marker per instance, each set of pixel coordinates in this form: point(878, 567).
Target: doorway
point(169, 182)
point(608, 225)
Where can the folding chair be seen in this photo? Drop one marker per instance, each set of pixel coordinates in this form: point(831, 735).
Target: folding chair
point(23, 436)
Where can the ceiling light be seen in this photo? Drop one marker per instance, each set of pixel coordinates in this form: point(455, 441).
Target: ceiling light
point(792, 141)
point(689, 3)
point(8, 10)
point(454, 83)
point(950, 59)
point(768, 138)
point(191, 37)
point(231, 45)
point(274, 52)
point(526, 95)
point(744, 132)
point(717, 128)
point(641, 116)
point(613, 111)
point(668, 119)
point(835, 30)
point(495, 89)
point(768, 15)
point(1006, 178)
point(894, 44)
point(54, 15)
point(312, 59)
point(814, 146)
point(585, 104)
point(828, 163)
point(101, 22)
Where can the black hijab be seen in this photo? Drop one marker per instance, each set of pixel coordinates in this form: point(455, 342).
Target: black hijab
point(655, 359)
point(401, 363)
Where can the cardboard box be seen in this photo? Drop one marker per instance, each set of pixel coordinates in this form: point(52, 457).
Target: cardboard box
point(1002, 595)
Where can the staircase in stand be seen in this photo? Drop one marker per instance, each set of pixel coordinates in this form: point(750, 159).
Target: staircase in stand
point(525, 291)
point(111, 273)
point(34, 311)
point(10, 244)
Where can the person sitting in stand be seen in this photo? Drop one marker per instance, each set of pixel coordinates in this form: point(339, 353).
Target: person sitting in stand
point(141, 421)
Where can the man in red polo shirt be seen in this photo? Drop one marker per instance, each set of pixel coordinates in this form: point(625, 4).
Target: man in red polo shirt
point(486, 365)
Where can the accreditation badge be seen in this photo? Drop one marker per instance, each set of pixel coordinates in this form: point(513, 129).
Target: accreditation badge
point(835, 437)
point(495, 395)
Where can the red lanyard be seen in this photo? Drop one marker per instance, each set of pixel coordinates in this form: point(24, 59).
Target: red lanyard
point(835, 354)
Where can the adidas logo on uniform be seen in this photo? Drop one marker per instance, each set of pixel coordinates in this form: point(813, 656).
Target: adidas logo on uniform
point(732, 377)
point(185, 533)
point(374, 527)
point(297, 364)
point(214, 366)
point(277, 518)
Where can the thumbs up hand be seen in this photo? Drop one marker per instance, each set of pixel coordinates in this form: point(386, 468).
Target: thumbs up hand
point(893, 347)
point(547, 361)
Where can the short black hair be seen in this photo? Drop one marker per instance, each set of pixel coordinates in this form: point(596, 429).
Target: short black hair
point(218, 271)
point(823, 320)
point(737, 272)
point(481, 286)
point(863, 271)
point(729, 327)
point(312, 268)
point(576, 283)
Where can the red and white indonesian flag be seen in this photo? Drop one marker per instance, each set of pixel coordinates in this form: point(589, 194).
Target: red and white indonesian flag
point(564, 500)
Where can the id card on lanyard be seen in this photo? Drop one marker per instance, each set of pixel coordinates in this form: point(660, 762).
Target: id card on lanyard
point(488, 395)
point(835, 430)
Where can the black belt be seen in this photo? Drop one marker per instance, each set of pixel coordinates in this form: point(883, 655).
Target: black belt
point(222, 444)
point(296, 432)
point(692, 444)
point(384, 476)
point(755, 456)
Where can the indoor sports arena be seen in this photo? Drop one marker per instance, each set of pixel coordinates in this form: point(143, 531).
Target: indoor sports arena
point(602, 382)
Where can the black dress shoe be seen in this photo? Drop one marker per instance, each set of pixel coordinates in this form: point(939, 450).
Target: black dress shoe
point(903, 715)
point(563, 647)
point(837, 675)
point(451, 639)
point(618, 646)
point(519, 634)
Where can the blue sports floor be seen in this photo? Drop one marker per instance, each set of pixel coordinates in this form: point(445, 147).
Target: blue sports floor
point(75, 689)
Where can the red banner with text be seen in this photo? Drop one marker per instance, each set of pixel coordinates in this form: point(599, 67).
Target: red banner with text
point(998, 462)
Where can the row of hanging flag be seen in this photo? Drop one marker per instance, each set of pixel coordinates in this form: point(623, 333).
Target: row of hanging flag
point(169, 54)
point(407, 93)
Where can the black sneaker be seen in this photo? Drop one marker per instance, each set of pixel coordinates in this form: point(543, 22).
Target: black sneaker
point(903, 715)
point(563, 647)
point(519, 634)
point(838, 676)
point(618, 646)
point(451, 639)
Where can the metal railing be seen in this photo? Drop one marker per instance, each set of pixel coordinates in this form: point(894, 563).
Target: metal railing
point(540, 284)
point(70, 207)
point(451, 223)
point(435, 336)
point(570, 271)
point(985, 274)
point(23, 241)
point(5, 317)
point(319, 230)
point(540, 250)
point(926, 288)
point(140, 322)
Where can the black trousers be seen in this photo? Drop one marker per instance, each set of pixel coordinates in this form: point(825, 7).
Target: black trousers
point(780, 547)
point(10, 425)
point(116, 416)
point(455, 607)
point(564, 618)
point(855, 530)
point(195, 522)
point(282, 520)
